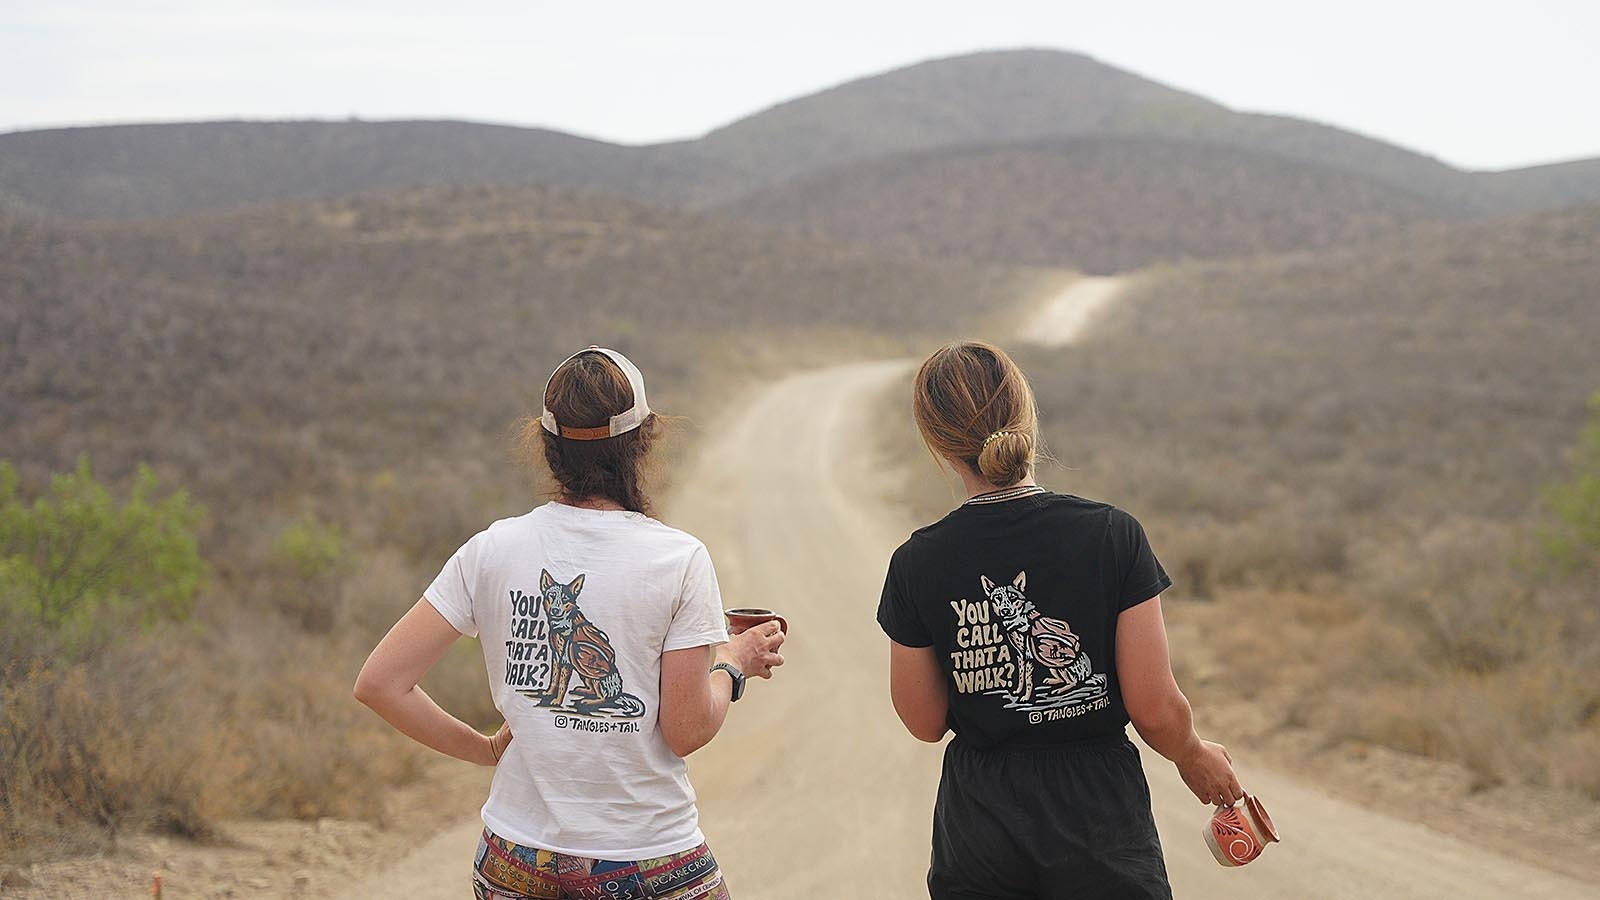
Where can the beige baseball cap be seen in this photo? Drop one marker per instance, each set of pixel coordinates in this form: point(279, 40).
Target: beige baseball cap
point(622, 422)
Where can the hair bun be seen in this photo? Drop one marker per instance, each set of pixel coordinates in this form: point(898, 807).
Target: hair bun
point(1006, 457)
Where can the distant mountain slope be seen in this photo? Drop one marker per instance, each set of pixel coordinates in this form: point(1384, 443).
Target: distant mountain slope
point(284, 348)
point(130, 171)
point(1554, 186)
point(982, 98)
point(998, 97)
point(1014, 95)
point(1099, 204)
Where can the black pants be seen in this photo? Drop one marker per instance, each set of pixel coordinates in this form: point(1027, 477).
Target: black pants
point(1045, 823)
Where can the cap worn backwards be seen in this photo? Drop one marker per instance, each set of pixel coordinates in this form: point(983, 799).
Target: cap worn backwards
point(622, 422)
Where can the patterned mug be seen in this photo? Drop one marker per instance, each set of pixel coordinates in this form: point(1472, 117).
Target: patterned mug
point(1238, 833)
point(749, 617)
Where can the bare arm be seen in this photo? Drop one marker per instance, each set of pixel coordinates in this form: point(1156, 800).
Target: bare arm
point(388, 684)
point(1159, 710)
point(694, 701)
point(916, 685)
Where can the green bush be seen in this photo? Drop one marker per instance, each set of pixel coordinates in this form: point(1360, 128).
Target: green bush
point(311, 558)
point(1575, 504)
point(312, 550)
point(80, 565)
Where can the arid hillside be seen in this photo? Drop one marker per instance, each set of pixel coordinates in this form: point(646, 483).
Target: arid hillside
point(337, 384)
point(1351, 452)
point(998, 97)
point(1097, 204)
point(1554, 186)
point(137, 171)
point(1021, 95)
point(982, 98)
point(282, 347)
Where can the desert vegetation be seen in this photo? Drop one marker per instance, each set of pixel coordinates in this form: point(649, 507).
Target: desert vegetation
point(142, 688)
point(142, 171)
point(294, 415)
point(1100, 205)
point(240, 439)
point(1374, 467)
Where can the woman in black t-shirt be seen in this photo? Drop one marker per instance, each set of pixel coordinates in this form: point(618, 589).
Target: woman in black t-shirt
point(1029, 623)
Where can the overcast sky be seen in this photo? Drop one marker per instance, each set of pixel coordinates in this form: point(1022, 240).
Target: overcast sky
point(1478, 83)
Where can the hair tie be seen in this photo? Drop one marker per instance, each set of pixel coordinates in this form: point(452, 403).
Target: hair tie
point(994, 437)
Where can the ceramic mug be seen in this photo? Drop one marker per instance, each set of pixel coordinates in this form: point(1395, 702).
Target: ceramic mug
point(749, 617)
point(1238, 833)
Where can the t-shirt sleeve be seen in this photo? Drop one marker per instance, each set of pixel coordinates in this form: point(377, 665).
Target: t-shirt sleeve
point(1137, 574)
point(897, 615)
point(697, 618)
point(451, 592)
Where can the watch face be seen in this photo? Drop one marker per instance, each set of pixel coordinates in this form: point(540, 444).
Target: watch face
point(738, 680)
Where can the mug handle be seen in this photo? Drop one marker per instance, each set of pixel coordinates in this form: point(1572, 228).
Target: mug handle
point(1234, 805)
point(783, 625)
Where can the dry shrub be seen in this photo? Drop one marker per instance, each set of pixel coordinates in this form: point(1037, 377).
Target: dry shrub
point(1468, 604)
point(315, 753)
point(460, 684)
point(1496, 725)
point(177, 728)
point(118, 741)
point(1440, 721)
point(1365, 435)
point(385, 583)
point(1575, 760)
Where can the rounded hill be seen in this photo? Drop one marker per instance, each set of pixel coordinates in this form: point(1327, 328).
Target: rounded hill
point(1100, 204)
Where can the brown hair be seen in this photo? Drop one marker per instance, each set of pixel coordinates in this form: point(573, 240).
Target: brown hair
point(973, 403)
point(585, 392)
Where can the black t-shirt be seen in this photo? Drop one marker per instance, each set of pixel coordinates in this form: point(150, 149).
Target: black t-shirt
point(1018, 596)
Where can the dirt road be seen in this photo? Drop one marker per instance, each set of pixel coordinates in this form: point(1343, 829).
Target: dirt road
point(814, 790)
point(814, 776)
point(1062, 318)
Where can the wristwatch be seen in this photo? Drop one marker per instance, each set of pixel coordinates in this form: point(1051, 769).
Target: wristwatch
point(738, 678)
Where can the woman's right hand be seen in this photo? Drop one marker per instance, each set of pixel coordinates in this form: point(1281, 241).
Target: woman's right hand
point(1208, 771)
point(755, 650)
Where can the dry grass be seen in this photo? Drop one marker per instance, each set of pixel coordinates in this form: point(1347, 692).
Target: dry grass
point(1343, 456)
point(173, 733)
point(339, 383)
point(1359, 443)
point(1097, 204)
point(242, 713)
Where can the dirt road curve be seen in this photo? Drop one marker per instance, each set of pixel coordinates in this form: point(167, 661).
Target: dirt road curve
point(814, 790)
point(1065, 316)
point(814, 776)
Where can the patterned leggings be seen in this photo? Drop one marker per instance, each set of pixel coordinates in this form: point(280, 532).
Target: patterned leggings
point(502, 870)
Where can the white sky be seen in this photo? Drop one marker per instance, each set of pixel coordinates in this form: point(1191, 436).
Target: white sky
point(1478, 83)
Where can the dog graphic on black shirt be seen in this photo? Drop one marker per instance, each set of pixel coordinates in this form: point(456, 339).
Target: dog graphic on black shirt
point(1036, 638)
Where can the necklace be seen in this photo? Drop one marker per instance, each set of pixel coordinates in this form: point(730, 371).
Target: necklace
point(1004, 494)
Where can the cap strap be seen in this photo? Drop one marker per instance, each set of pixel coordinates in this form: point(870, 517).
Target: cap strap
point(622, 422)
point(586, 434)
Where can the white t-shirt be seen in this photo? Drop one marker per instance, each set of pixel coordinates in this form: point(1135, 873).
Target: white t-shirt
point(574, 608)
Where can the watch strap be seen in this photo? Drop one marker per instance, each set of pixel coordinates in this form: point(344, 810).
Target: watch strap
point(736, 675)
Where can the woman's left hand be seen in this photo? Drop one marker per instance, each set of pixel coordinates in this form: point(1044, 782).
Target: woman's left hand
point(499, 743)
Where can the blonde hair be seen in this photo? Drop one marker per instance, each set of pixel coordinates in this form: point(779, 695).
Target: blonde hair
point(972, 403)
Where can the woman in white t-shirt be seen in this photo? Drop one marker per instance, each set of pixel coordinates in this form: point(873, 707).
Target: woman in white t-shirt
point(603, 635)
